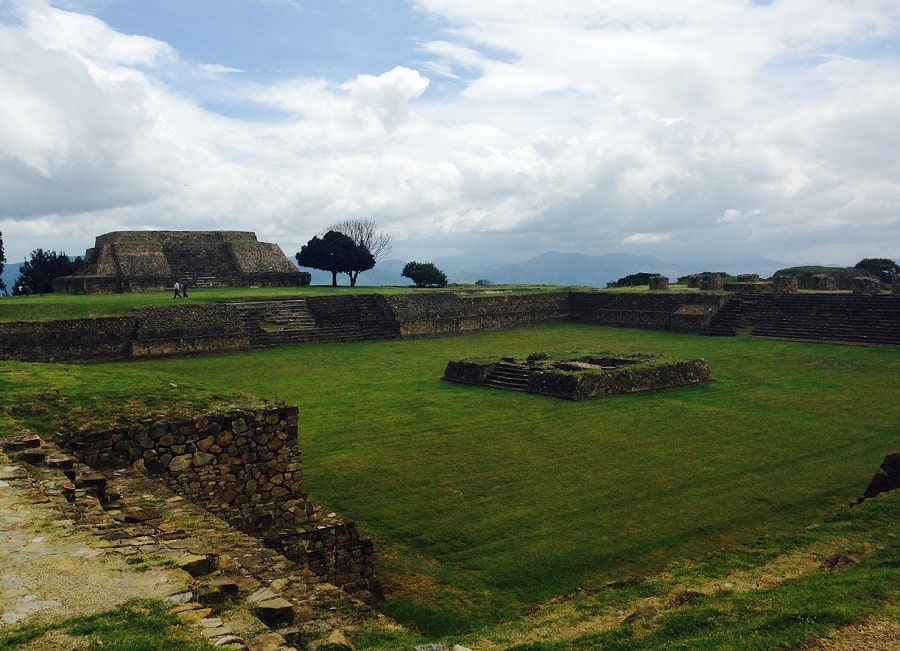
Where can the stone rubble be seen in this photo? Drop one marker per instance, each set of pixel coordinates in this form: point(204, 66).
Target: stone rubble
point(240, 594)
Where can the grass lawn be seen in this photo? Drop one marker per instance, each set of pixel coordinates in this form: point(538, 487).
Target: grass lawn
point(485, 503)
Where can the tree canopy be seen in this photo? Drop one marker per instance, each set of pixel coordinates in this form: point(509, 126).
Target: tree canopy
point(633, 280)
point(424, 274)
point(882, 267)
point(337, 253)
point(36, 275)
point(365, 232)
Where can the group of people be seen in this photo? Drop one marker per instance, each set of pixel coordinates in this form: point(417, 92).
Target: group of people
point(181, 289)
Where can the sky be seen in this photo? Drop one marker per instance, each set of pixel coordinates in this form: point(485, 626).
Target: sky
point(480, 130)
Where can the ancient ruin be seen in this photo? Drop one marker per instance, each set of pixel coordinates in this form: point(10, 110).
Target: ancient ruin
point(139, 261)
point(244, 467)
point(585, 376)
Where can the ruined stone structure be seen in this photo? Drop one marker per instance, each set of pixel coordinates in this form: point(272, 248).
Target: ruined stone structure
point(244, 467)
point(135, 261)
point(180, 329)
point(585, 377)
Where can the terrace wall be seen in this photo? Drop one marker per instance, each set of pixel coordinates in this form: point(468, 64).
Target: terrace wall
point(197, 328)
point(245, 468)
point(677, 312)
point(433, 314)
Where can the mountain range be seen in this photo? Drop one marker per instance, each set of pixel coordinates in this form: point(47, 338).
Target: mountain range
point(551, 268)
point(556, 268)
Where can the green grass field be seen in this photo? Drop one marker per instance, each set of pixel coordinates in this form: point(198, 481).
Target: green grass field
point(484, 504)
point(494, 501)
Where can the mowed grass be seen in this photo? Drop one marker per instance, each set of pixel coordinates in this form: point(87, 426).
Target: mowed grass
point(485, 503)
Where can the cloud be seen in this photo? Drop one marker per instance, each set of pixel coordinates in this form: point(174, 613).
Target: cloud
point(669, 128)
point(646, 238)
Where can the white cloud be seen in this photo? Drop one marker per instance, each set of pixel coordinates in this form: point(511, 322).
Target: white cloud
point(639, 125)
point(646, 238)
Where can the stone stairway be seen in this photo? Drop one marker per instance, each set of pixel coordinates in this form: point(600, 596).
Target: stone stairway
point(509, 375)
point(276, 323)
point(238, 592)
point(353, 318)
point(200, 263)
point(316, 320)
point(830, 317)
point(737, 316)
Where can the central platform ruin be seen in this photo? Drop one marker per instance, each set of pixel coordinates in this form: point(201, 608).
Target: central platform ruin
point(138, 261)
point(582, 376)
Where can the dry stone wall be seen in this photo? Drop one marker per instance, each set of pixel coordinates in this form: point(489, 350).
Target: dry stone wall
point(195, 328)
point(678, 312)
point(445, 313)
point(67, 340)
point(244, 467)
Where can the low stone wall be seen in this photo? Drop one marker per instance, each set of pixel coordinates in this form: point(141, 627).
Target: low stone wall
point(70, 340)
point(678, 312)
point(586, 382)
point(430, 314)
point(245, 468)
point(578, 386)
point(187, 329)
point(467, 371)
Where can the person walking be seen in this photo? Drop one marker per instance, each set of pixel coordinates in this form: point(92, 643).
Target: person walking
point(184, 288)
point(177, 289)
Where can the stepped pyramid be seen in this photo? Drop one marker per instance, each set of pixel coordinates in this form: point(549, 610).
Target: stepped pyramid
point(134, 261)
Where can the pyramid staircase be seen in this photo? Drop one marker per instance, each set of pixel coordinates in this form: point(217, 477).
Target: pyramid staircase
point(509, 375)
point(737, 316)
point(337, 319)
point(831, 317)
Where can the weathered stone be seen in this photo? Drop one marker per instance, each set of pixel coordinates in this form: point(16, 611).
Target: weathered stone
point(198, 564)
point(181, 463)
point(267, 642)
point(887, 478)
point(205, 444)
point(203, 459)
point(274, 612)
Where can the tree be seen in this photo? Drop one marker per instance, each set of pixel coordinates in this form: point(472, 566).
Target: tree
point(424, 274)
point(2, 262)
point(337, 253)
point(633, 280)
point(37, 274)
point(882, 267)
point(365, 232)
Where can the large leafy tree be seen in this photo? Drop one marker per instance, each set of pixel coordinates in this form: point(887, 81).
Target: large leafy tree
point(882, 267)
point(337, 253)
point(38, 273)
point(424, 274)
point(365, 232)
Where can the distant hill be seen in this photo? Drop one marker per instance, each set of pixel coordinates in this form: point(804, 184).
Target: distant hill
point(551, 268)
point(556, 268)
point(10, 273)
